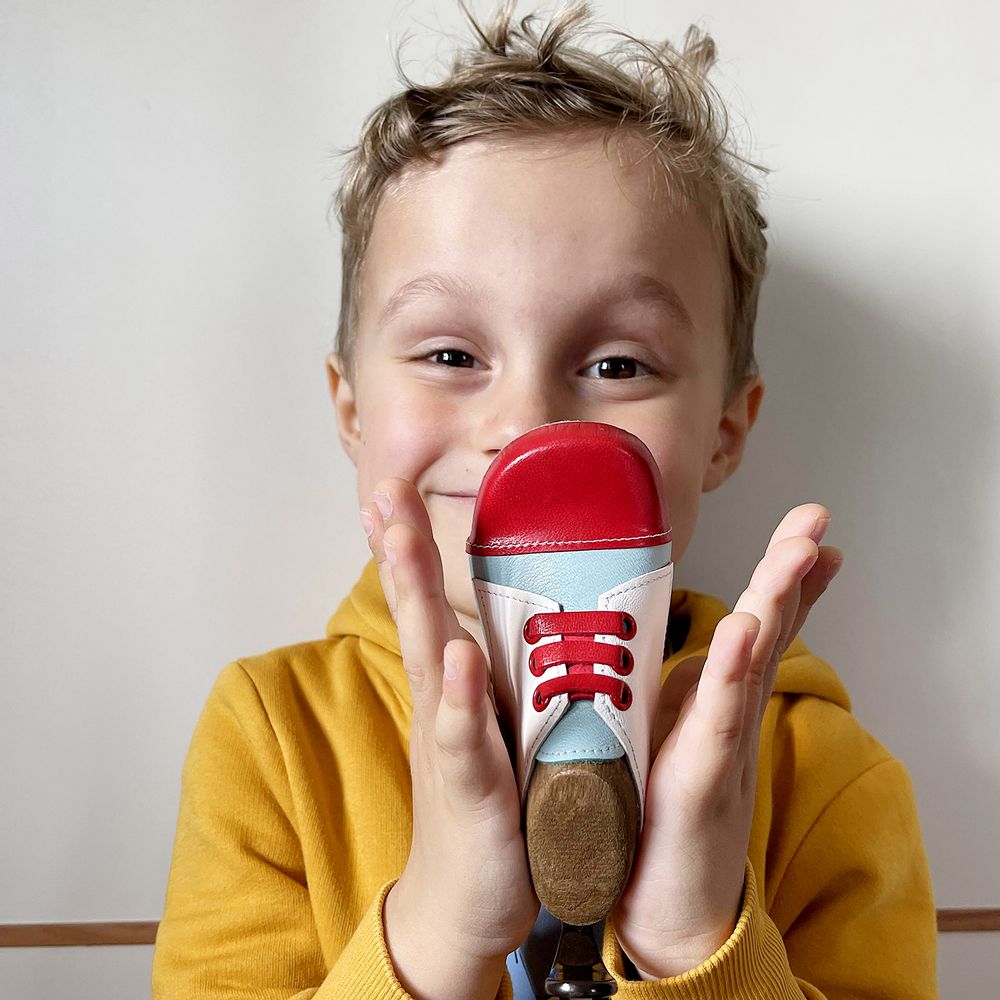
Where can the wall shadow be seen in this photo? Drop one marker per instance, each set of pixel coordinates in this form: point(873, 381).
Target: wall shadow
point(884, 414)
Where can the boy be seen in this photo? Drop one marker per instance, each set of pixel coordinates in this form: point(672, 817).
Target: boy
point(541, 237)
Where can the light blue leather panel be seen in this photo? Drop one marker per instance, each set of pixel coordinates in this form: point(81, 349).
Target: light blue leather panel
point(574, 579)
point(581, 734)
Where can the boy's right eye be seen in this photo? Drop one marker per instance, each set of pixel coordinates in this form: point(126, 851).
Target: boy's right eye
point(452, 358)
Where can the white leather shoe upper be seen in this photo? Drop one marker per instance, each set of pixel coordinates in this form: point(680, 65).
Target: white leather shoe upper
point(504, 611)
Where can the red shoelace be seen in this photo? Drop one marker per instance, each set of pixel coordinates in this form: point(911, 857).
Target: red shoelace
point(579, 649)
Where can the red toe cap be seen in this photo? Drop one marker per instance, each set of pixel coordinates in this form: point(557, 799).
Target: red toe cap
point(570, 486)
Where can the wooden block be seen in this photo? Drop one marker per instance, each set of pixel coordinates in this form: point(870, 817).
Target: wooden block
point(581, 826)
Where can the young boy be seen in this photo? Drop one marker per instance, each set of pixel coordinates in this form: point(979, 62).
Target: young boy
point(542, 237)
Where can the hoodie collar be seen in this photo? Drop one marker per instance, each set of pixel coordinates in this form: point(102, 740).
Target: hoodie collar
point(799, 672)
point(364, 613)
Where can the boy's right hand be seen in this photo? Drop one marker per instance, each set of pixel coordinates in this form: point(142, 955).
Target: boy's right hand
point(465, 899)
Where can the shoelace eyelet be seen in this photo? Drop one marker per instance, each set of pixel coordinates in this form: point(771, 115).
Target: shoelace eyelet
point(575, 644)
point(627, 662)
point(533, 665)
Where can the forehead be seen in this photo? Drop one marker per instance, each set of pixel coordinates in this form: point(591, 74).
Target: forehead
point(536, 225)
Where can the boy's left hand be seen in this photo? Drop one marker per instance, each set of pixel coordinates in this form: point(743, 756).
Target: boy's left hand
point(684, 895)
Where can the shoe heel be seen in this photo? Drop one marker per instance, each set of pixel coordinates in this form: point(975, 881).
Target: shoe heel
point(581, 825)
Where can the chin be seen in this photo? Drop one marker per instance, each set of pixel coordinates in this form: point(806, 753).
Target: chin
point(460, 595)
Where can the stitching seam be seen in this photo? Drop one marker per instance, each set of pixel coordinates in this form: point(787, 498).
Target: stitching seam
point(577, 541)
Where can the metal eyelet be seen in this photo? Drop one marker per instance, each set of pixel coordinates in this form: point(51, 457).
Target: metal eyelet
point(538, 701)
point(628, 625)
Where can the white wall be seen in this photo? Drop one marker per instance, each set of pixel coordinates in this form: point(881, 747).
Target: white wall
point(173, 494)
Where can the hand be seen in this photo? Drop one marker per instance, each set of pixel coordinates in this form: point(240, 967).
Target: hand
point(465, 898)
point(684, 895)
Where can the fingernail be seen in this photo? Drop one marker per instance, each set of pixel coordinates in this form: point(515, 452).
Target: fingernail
point(367, 523)
point(450, 666)
point(390, 553)
point(751, 633)
point(834, 568)
point(384, 503)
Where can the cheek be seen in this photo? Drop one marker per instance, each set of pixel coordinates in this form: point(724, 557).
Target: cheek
point(679, 456)
point(682, 486)
point(401, 435)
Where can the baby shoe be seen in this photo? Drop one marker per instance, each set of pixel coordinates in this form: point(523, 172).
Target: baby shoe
point(570, 559)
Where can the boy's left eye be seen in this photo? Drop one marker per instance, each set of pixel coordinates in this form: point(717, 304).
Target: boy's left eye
point(619, 367)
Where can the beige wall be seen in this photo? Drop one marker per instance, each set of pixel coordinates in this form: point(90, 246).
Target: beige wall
point(172, 493)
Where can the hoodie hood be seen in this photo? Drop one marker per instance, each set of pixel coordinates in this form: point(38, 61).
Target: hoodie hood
point(365, 615)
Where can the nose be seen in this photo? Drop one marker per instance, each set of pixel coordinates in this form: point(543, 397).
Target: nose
point(515, 402)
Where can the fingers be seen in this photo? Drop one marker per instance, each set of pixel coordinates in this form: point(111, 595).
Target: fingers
point(808, 519)
point(719, 707)
point(394, 501)
point(790, 578)
point(807, 523)
point(403, 545)
point(814, 584)
point(462, 729)
point(774, 592)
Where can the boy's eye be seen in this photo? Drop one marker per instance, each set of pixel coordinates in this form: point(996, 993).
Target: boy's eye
point(618, 367)
point(452, 358)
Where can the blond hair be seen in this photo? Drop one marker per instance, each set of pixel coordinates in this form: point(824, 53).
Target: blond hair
point(522, 78)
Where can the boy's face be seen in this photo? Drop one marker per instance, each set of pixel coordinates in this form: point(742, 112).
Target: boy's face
point(543, 286)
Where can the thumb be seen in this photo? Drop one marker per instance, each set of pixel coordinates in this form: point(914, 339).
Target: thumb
point(388, 588)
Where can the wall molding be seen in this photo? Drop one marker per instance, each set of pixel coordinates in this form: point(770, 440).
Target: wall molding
point(949, 921)
point(71, 935)
point(144, 931)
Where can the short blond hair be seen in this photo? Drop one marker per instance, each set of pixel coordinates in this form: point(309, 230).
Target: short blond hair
point(523, 78)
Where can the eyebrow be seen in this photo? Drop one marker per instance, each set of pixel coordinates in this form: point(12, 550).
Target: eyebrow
point(426, 286)
point(645, 288)
point(636, 287)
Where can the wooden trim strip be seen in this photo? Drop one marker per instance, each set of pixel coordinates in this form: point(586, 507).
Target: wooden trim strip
point(70, 935)
point(144, 931)
point(968, 920)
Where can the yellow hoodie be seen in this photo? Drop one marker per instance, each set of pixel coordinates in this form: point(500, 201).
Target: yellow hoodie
point(295, 819)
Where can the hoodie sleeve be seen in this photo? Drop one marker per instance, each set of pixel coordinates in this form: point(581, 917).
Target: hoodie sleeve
point(238, 921)
point(854, 906)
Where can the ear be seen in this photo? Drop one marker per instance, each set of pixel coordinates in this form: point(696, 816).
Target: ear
point(342, 394)
point(731, 437)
